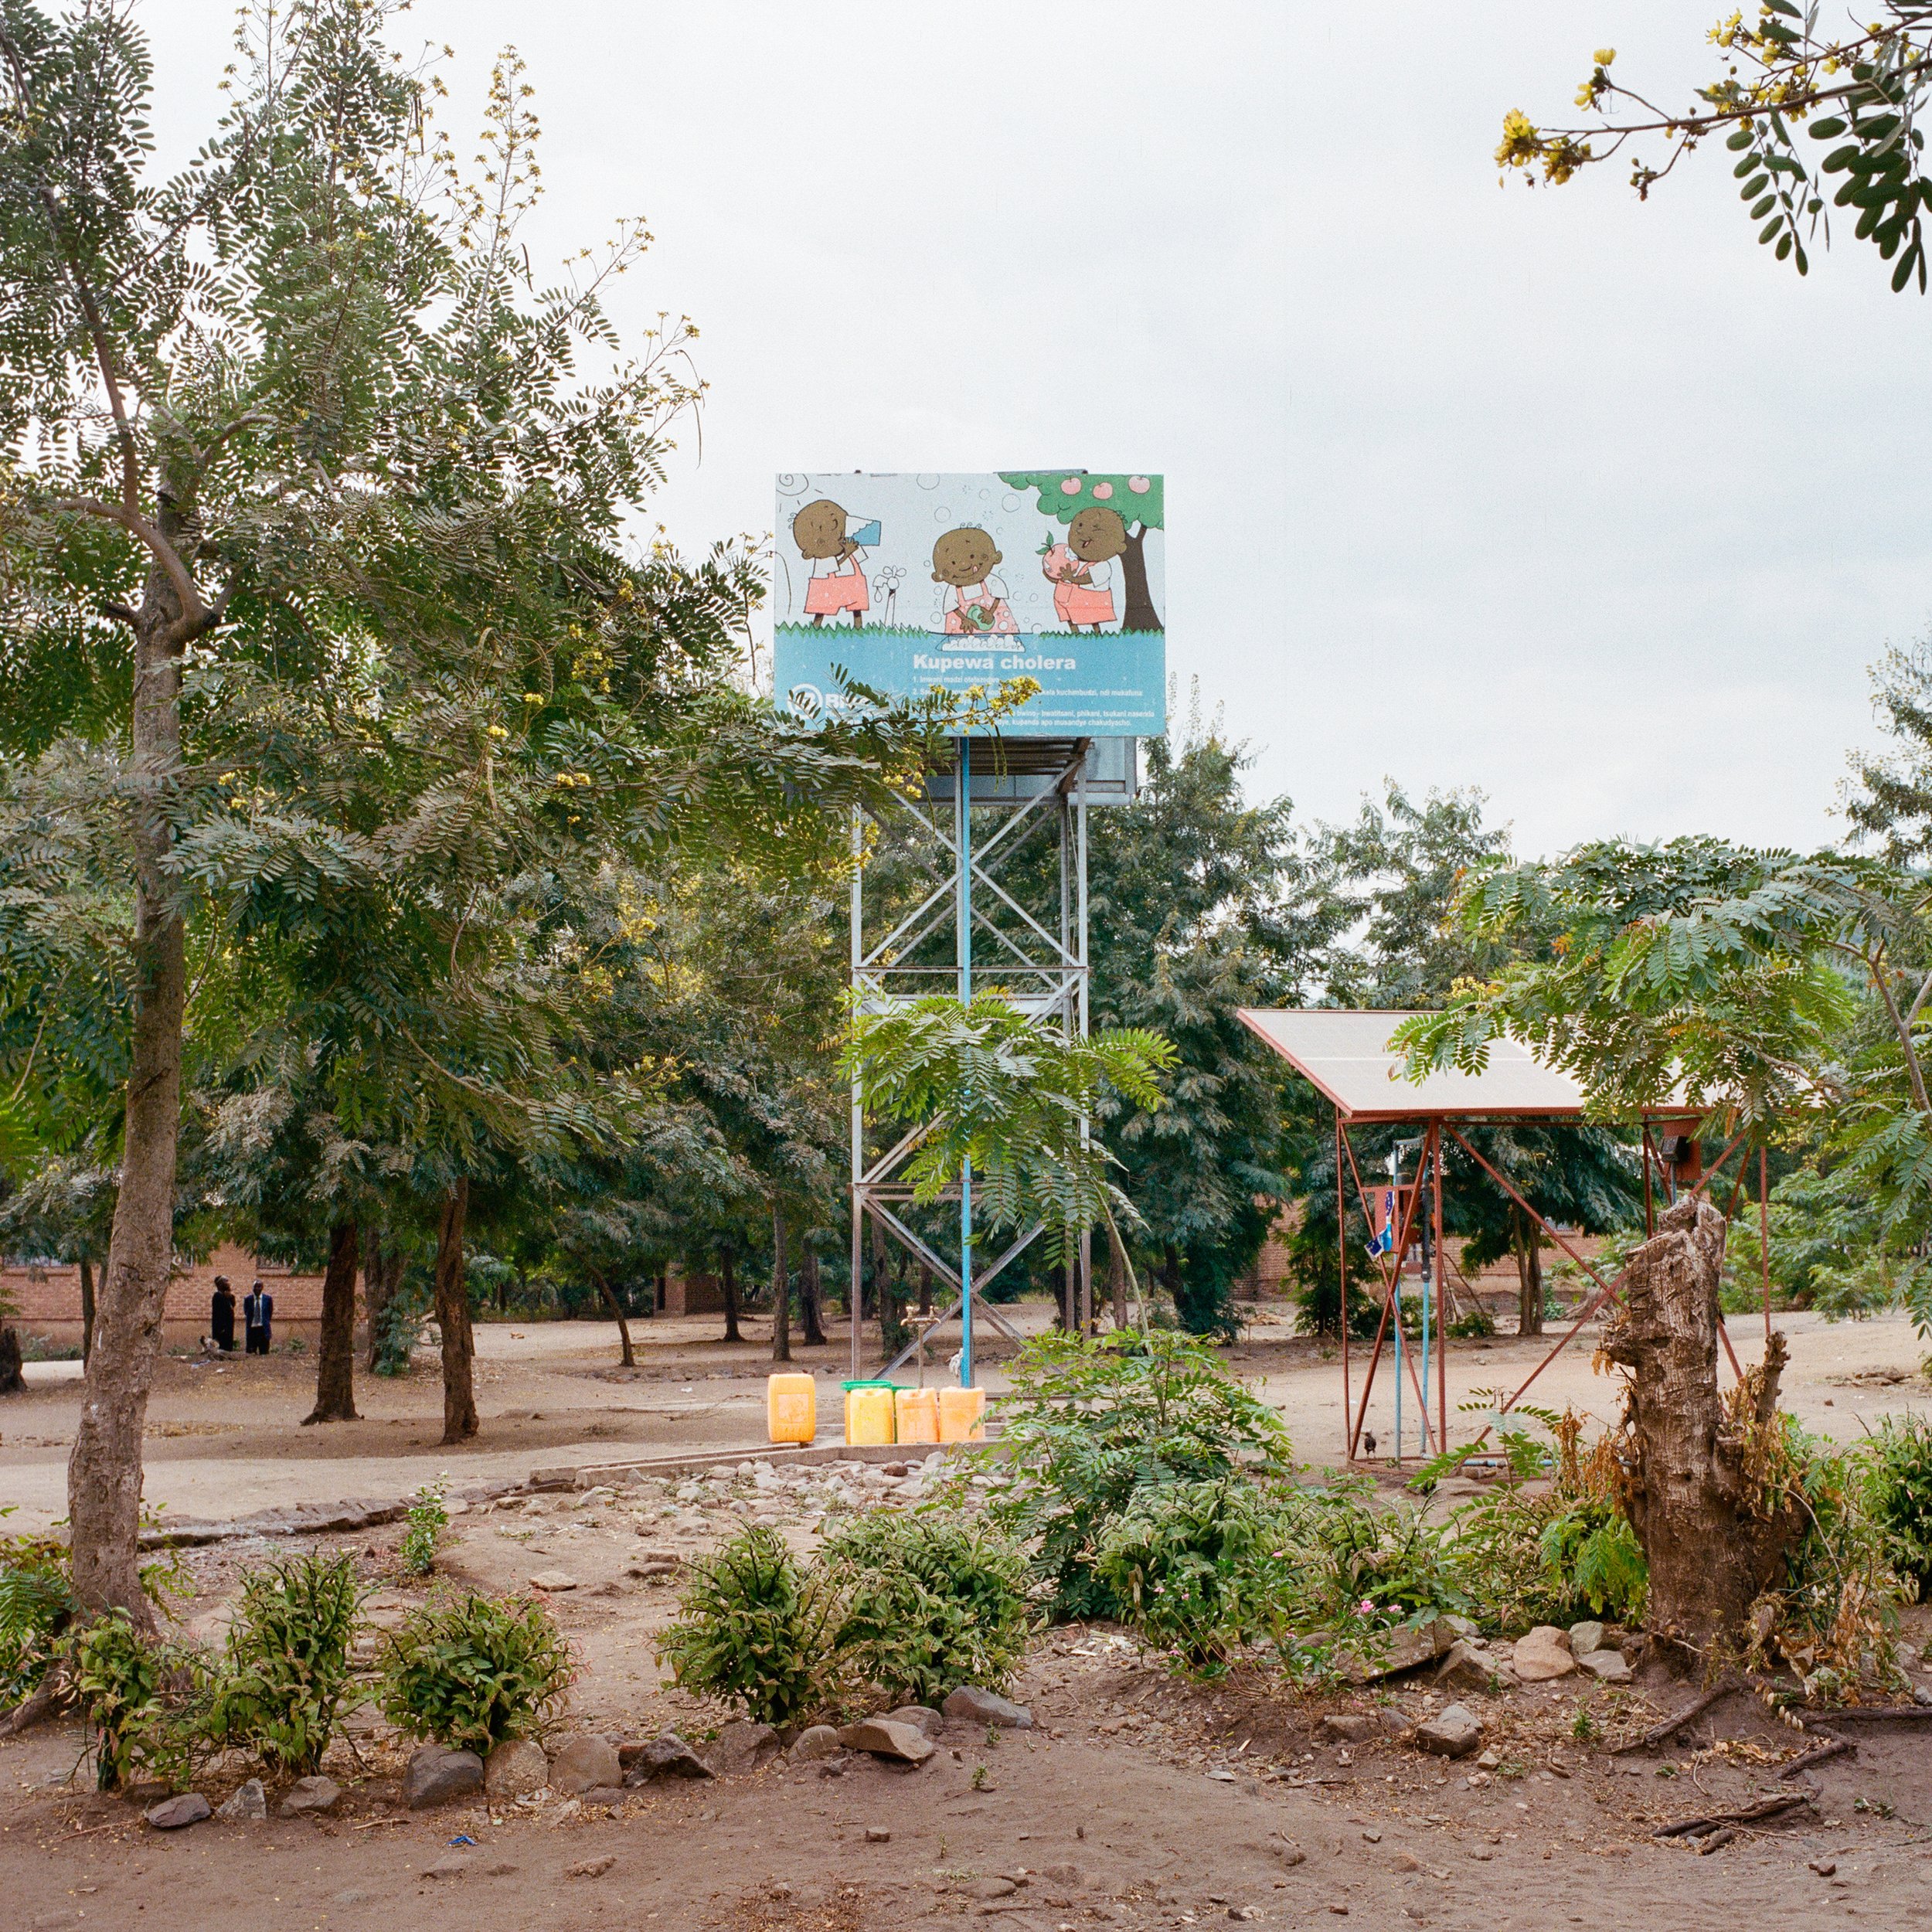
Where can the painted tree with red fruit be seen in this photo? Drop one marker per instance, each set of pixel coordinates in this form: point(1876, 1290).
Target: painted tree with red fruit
point(1140, 503)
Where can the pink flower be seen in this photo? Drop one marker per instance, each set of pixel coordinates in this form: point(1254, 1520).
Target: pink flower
point(1365, 1607)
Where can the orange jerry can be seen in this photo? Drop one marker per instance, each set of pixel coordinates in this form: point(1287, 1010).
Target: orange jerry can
point(962, 1415)
point(917, 1412)
point(791, 1408)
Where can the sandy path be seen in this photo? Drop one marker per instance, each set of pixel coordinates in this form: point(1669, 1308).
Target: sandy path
point(226, 1439)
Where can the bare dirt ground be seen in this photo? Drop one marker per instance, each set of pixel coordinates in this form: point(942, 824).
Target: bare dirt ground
point(1139, 1800)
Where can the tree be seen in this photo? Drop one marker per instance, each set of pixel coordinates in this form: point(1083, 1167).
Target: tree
point(1198, 906)
point(301, 455)
point(1139, 501)
point(1007, 1095)
point(1860, 91)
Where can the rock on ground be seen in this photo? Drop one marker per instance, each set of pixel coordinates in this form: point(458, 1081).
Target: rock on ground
point(666, 1756)
point(1473, 1667)
point(1451, 1732)
point(1407, 1648)
point(883, 1738)
point(249, 1804)
point(434, 1776)
point(592, 1868)
point(1350, 1726)
point(1543, 1653)
point(516, 1769)
point(970, 1705)
point(311, 1795)
point(818, 1741)
point(553, 1579)
point(1586, 1637)
point(582, 1762)
point(922, 1717)
point(190, 1808)
point(1607, 1666)
point(741, 1746)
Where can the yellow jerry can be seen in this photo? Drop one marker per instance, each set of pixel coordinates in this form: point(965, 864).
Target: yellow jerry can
point(868, 1414)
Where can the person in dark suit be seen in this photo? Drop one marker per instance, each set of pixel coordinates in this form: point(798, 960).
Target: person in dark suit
point(258, 1316)
point(221, 1317)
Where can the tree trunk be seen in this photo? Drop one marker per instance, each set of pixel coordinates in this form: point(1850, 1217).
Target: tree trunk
point(628, 1359)
point(780, 1291)
point(925, 1289)
point(104, 1471)
point(1712, 1543)
point(13, 1382)
point(453, 1317)
point(810, 1299)
point(86, 1306)
point(1529, 1275)
point(335, 1365)
point(1117, 1274)
point(890, 1284)
point(1138, 613)
point(374, 1303)
point(728, 1277)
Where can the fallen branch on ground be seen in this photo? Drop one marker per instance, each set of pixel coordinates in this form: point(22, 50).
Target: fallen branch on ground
point(1831, 1747)
point(1749, 1815)
point(1658, 1733)
point(1872, 1714)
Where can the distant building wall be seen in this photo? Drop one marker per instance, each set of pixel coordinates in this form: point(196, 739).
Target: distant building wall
point(48, 1298)
point(686, 1294)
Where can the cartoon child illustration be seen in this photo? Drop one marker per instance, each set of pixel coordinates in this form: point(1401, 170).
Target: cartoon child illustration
point(838, 580)
point(1081, 569)
point(964, 559)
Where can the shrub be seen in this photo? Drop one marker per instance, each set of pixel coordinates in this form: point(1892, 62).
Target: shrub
point(932, 1602)
point(472, 1671)
point(288, 1667)
point(1182, 1563)
point(36, 1604)
point(142, 1698)
point(1896, 1465)
point(1091, 1425)
point(428, 1519)
point(758, 1628)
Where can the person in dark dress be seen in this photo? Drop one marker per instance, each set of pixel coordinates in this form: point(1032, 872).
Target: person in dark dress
point(258, 1314)
point(221, 1318)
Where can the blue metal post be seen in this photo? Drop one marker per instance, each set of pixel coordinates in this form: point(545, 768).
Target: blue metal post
point(965, 996)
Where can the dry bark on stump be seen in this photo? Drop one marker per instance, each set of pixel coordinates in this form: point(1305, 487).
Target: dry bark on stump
point(1695, 1500)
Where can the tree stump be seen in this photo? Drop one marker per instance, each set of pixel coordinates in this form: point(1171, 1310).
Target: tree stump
point(1694, 1459)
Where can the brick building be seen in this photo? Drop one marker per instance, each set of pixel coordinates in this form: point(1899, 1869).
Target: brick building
point(47, 1297)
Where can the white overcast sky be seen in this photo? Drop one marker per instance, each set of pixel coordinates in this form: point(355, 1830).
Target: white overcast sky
point(1588, 503)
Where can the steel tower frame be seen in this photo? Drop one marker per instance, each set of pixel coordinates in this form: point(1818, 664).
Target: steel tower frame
point(962, 837)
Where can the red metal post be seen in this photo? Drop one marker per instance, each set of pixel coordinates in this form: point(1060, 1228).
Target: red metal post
point(1442, 1304)
point(1388, 1295)
point(1342, 1270)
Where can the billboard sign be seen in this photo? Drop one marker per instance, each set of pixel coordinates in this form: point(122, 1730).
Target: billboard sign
point(907, 582)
